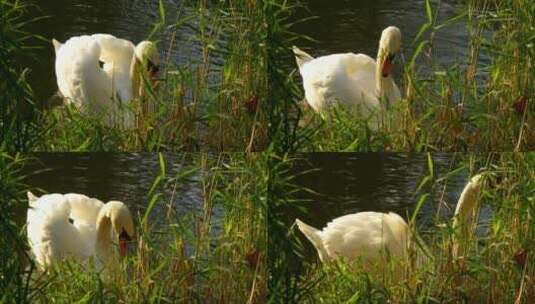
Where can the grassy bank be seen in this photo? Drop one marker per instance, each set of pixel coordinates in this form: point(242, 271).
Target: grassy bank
point(214, 255)
point(213, 102)
point(497, 266)
point(469, 106)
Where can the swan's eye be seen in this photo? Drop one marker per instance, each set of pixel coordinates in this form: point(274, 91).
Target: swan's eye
point(71, 220)
point(101, 64)
point(391, 57)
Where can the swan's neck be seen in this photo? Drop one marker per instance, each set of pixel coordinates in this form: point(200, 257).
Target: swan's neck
point(383, 84)
point(103, 245)
point(466, 212)
point(466, 206)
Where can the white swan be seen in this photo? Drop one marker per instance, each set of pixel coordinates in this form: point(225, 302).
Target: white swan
point(354, 80)
point(369, 235)
point(101, 74)
point(74, 225)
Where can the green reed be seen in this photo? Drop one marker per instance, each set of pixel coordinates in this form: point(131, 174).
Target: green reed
point(14, 267)
point(17, 107)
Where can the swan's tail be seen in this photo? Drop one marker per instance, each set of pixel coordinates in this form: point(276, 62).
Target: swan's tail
point(31, 198)
point(301, 57)
point(56, 44)
point(312, 235)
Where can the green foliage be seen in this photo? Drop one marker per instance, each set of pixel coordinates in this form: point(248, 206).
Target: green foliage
point(15, 269)
point(17, 108)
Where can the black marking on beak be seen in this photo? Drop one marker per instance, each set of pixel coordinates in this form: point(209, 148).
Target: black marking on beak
point(71, 220)
point(101, 64)
point(391, 57)
point(151, 67)
point(124, 236)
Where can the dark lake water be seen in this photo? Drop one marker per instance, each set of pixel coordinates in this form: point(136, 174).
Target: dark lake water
point(127, 19)
point(355, 26)
point(343, 183)
point(124, 177)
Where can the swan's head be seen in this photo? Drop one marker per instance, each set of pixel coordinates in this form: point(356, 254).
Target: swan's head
point(476, 182)
point(468, 201)
point(122, 224)
point(389, 46)
point(147, 54)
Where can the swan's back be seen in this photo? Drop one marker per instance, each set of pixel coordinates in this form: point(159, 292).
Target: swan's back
point(79, 76)
point(84, 208)
point(117, 55)
point(52, 237)
point(348, 78)
point(366, 235)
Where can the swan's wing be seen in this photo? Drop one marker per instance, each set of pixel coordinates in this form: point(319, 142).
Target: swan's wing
point(321, 78)
point(84, 208)
point(117, 55)
point(348, 78)
point(40, 207)
point(114, 49)
point(51, 235)
point(84, 213)
point(398, 230)
point(80, 79)
point(363, 234)
point(361, 69)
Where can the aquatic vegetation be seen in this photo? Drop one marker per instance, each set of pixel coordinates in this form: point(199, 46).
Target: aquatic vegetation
point(493, 266)
point(14, 271)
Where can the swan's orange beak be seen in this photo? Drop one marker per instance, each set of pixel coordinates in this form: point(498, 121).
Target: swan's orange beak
point(123, 244)
point(387, 67)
